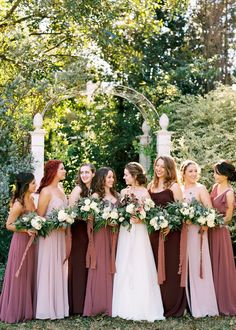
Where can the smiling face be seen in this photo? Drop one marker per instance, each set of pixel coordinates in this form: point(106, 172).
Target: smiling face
point(129, 179)
point(219, 178)
point(160, 168)
point(86, 175)
point(191, 174)
point(109, 179)
point(61, 172)
point(32, 187)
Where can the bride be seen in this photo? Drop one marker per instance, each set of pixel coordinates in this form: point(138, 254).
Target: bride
point(136, 293)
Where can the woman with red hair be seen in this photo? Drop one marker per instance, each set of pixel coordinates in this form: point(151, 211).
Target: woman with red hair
point(52, 295)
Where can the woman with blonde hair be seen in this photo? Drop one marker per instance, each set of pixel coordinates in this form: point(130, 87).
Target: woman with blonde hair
point(164, 189)
point(199, 280)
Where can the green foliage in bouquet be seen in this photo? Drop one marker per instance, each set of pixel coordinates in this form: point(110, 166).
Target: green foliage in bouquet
point(108, 216)
point(32, 221)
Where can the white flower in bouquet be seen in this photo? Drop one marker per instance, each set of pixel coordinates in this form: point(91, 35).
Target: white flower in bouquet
point(121, 219)
point(94, 206)
point(191, 212)
point(25, 219)
point(153, 223)
point(105, 214)
point(201, 220)
point(36, 223)
point(211, 216)
point(73, 215)
point(142, 214)
point(211, 223)
point(184, 211)
point(148, 204)
point(164, 223)
point(85, 208)
point(62, 215)
point(130, 208)
point(114, 214)
point(70, 219)
point(87, 201)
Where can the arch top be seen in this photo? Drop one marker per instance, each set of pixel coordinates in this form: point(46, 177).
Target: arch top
point(140, 101)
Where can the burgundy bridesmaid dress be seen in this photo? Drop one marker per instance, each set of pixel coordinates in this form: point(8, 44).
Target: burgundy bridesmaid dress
point(173, 295)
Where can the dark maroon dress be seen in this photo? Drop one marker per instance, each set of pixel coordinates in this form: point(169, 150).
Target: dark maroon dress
point(173, 295)
point(77, 271)
point(223, 266)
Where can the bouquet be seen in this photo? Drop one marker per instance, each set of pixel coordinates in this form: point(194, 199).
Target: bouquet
point(107, 217)
point(88, 206)
point(62, 218)
point(132, 207)
point(156, 219)
point(32, 221)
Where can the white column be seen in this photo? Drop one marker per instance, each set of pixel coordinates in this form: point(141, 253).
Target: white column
point(145, 140)
point(164, 137)
point(37, 147)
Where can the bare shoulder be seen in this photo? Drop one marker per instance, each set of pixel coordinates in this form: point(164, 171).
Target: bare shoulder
point(124, 191)
point(77, 190)
point(230, 193)
point(175, 186)
point(45, 192)
point(17, 206)
point(201, 187)
point(95, 195)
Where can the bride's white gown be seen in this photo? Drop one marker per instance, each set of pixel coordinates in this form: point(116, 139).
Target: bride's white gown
point(136, 293)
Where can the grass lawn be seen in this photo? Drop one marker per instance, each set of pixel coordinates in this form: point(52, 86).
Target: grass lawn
point(104, 322)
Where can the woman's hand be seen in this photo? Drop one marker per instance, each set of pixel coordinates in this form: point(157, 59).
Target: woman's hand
point(204, 228)
point(188, 222)
point(166, 231)
point(135, 220)
point(32, 232)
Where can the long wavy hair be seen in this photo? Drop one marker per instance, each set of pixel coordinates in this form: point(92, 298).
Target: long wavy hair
point(50, 171)
point(170, 172)
point(85, 191)
point(22, 183)
point(99, 182)
point(137, 171)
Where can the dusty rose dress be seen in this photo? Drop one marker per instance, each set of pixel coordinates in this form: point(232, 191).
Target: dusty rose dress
point(200, 290)
point(173, 296)
point(98, 299)
point(17, 297)
point(52, 274)
point(223, 266)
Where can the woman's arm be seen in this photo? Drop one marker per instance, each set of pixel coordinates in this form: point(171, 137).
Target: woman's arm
point(230, 206)
point(44, 199)
point(177, 192)
point(15, 211)
point(205, 197)
point(74, 196)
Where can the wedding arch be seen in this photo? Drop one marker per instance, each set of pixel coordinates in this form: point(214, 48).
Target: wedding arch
point(146, 108)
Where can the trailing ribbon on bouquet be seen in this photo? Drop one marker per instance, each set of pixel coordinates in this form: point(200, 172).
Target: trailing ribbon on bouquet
point(114, 237)
point(182, 255)
point(90, 255)
point(30, 242)
point(68, 241)
point(201, 243)
point(161, 259)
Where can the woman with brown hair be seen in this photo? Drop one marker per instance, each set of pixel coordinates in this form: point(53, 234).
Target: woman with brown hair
point(52, 293)
point(164, 189)
point(98, 299)
point(136, 293)
point(77, 272)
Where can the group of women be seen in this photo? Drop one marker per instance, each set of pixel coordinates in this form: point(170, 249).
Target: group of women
point(128, 274)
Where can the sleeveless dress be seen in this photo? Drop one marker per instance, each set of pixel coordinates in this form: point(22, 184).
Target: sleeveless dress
point(52, 275)
point(223, 266)
point(173, 295)
point(136, 293)
point(17, 297)
point(77, 271)
point(200, 291)
point(98, 299)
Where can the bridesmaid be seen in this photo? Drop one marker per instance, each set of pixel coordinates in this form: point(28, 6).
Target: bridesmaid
point(99, 289)
point(52, 295)
point(199, 289)
point(16, 300)
point(77, 278)
point(164, 189)
point(223, 266)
